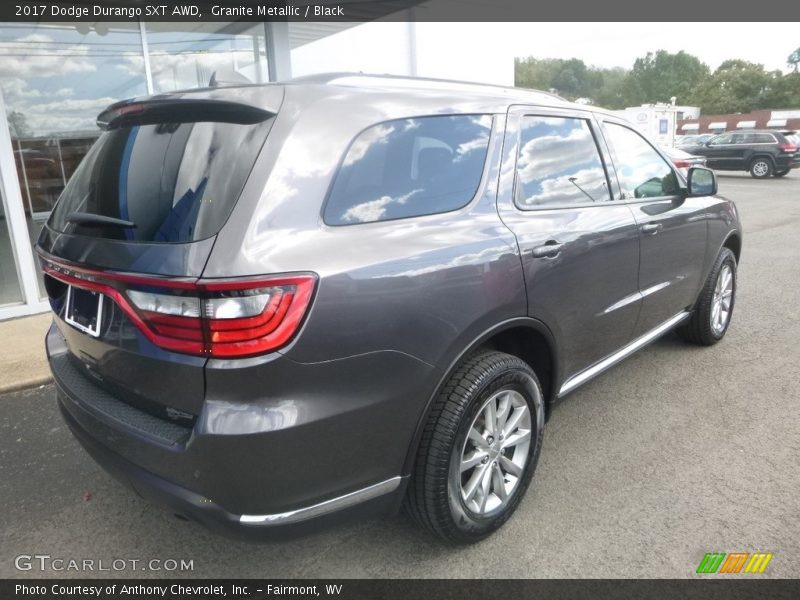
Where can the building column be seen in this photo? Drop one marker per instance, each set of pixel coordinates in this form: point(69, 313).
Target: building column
point(279, 59)
point(412, 42)
point(16, 221)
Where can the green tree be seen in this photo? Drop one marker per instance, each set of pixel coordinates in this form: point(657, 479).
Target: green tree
point(612, 91)
point(737, 86)
point(794, 60)
point(570, 78)
point(784, 92)
point(660, 76)
point(536, 73)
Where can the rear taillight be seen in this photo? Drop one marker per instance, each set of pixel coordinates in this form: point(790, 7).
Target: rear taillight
point(227, 319)
point(788, 148)
point(681, 164)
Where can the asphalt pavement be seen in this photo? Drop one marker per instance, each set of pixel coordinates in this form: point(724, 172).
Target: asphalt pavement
point(676, 452)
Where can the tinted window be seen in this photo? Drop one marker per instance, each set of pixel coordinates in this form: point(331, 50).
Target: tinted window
point(178, 182)
point(743, 138)
point(763, 138)
point(558, 163)
point(408, 168)
point(725, 138)
point(641, 171)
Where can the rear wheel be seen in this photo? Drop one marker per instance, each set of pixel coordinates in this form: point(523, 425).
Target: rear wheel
point(714, 308)
point(479, 448)
point(761, 168)
point(780, 173)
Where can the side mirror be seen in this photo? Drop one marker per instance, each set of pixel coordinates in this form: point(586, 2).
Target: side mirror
point(702, 182)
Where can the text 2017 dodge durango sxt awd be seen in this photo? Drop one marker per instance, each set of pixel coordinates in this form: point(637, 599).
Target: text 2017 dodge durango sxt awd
point(278, 305)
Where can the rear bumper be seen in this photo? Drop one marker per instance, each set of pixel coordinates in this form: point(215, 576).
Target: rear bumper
point(382, 498)
point(242, 470)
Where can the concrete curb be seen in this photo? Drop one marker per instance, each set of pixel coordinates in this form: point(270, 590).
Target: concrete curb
point(23, 358)
point(27, 384)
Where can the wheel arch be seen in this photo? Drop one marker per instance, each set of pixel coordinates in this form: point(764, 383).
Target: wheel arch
point(524, 337)
point(756, 156)
point(734, 243)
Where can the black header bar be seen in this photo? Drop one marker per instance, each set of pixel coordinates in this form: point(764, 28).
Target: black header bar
point(677, 11)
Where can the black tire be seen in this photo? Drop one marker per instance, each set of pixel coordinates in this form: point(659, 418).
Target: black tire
point(433, 499)
point(780, 173)
point(761, 167)
point(698, 329)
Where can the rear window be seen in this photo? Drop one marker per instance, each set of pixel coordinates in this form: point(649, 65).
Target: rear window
point(410, 167)
point(177, 182)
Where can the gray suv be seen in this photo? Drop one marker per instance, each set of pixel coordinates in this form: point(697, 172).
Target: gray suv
point(277, 306)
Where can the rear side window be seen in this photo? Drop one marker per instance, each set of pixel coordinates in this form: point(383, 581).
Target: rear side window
point(558, 163)
point(408, 168)
point(177, 182)
point(763, 138)
point(641, 171)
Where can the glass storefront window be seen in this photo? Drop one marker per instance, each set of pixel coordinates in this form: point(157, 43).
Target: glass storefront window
point(57, 77)
point(10, 292)
point(186, 55)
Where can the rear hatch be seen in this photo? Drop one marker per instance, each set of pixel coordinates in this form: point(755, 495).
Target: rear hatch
point(130, 235)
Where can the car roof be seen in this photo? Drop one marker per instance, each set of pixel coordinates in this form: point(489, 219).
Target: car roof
point(446, 91)
point(427, 84)
point(395, 96)
point(752, 131)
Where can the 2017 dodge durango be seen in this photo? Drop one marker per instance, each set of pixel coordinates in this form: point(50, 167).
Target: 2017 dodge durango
point(276, 306)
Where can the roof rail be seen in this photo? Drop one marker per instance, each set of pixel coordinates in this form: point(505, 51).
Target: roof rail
point(383, 80)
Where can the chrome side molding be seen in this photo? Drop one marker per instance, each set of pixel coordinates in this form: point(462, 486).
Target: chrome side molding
point(608, 362)
point(324, 508)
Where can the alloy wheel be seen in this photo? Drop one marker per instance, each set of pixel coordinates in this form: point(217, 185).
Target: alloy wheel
point(722, 299)
point(760, 169)
point(495, 452)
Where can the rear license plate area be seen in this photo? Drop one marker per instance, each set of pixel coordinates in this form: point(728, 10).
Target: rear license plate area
point(84, 310)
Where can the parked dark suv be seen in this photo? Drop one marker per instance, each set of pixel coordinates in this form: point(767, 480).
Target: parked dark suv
point(279, 305)
point(761, 152)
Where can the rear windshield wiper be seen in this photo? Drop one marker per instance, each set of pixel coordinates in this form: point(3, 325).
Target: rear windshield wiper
point(91, 220)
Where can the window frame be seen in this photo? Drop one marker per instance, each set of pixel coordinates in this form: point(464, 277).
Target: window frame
point(479, 190)
point(516, 117)
point(679, 180)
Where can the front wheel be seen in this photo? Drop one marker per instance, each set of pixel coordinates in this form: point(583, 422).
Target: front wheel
point(712, 313)
point(479, 448)
point(761, 168)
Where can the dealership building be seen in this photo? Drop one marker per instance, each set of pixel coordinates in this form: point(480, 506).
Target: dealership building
point(55, 79)
point(778, 120)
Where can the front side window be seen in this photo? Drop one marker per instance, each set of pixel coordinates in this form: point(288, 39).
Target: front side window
point(558, 163)
point(641, 171)
point(725, 138)
point(408, 168)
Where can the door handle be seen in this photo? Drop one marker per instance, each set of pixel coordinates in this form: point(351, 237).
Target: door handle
point(547, 250)
point(651, 228)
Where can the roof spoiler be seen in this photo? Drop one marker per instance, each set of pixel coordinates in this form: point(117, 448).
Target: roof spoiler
point(179, 110)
